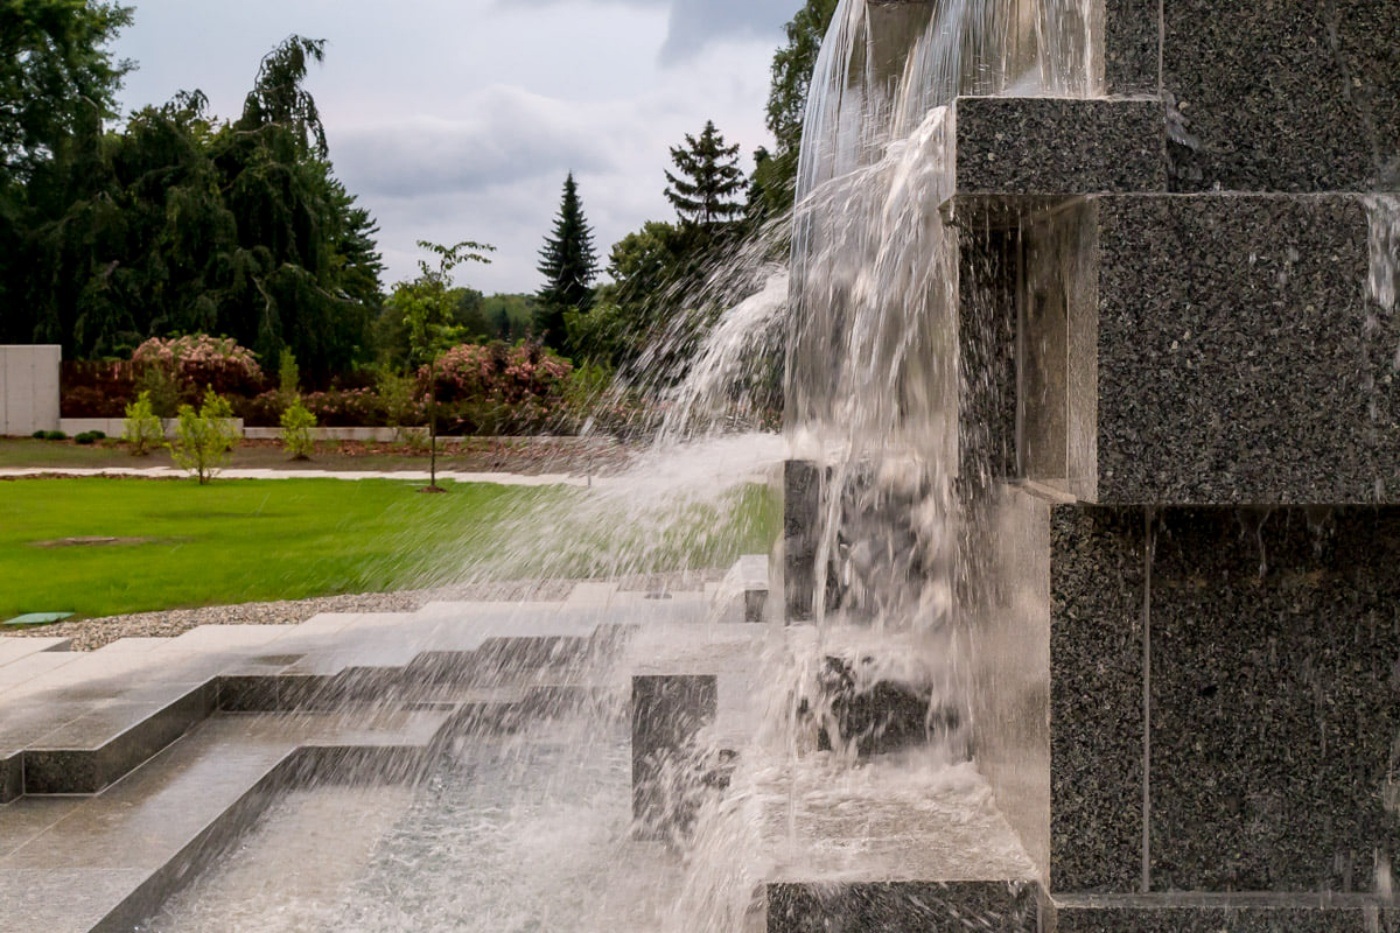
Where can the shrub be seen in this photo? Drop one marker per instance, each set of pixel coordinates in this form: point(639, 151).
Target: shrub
point(297, 423)
point(399, 400)
point(142, 429)
point(40, 435)
point(204, 437)
point(55, 436)
point(345, 407)
point(163, 389)
point(198, 360)
point(97, 388)
point(90, 437)
point(496, 388)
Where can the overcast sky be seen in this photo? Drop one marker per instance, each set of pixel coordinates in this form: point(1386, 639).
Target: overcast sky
point(458, 119)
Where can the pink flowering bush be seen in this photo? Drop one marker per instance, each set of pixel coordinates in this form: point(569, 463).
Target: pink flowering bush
point(199, 361)
point(497, 388)
point(346, 408)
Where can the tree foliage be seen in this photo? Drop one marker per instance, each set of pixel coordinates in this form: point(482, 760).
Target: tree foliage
point(204, 437)
point(775, 175)
point(179, 224)
point(708, 177)
point(55, 75)
point(569, 265)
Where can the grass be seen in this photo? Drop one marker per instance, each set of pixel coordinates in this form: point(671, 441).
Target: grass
point(178, 544)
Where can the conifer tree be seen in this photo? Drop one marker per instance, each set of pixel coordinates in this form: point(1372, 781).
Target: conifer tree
point(569, 266)
point(708, 179)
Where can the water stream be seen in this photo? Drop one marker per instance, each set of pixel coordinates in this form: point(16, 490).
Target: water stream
point(531, 832)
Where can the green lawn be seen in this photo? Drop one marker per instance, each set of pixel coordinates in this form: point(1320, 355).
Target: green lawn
point(179, 544)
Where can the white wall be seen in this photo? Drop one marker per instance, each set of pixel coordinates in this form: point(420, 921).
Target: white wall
point(29, 389)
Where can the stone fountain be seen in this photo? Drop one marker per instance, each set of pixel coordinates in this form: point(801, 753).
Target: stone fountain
point(1179, 409)
point(1115, 480)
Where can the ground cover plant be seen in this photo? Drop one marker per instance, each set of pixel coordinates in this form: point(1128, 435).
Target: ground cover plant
point(109, 546)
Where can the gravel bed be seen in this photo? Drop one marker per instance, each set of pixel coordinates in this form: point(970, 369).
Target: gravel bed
point(91, 634)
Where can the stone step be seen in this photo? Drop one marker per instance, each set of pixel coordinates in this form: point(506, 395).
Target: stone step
point(106, 862)
point(906, 906)
point(1238, 913)
point(13, 649)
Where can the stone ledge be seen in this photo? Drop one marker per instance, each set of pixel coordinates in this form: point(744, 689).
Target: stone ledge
point(1049, 146)
point(904, 907)
point(1240, 913)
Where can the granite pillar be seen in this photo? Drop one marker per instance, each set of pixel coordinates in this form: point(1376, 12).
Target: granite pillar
point(668, 711)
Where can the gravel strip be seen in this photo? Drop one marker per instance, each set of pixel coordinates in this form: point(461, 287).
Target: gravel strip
point(91, 634)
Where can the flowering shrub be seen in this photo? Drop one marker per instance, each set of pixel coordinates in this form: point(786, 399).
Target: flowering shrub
point(341, 408)
point(200, 362)
point(495, 388)
point(97, 388)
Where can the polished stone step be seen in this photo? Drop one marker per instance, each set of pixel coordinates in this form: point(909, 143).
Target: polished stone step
point(105, 862)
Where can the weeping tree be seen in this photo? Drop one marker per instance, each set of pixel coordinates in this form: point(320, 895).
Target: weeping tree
point(180, 224)
point(301, 241)
point(58, 82)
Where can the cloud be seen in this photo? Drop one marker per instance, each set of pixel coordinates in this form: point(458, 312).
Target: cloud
point(511, 135)
point(694, 25)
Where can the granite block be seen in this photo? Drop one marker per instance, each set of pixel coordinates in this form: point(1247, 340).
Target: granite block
point(1290, 96)
point(802, 488)
point(1239, 359)
point(667, 713)
point(1275, 699)
point(88, 754)
point(1020, 145)
point(903, 907)
point(1097, 589)
point(247, 693)
point(989, 255)
point(11, 777)
point(1239, 919)
point(1132, 47)
point(1010, 656)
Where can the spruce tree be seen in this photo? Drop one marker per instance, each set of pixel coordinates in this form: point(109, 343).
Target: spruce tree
point(709, 177)
point(569, 265)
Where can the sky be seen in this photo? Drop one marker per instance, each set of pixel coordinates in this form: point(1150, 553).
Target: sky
point(459, 119)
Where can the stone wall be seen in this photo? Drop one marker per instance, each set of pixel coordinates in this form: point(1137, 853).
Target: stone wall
point(29, 389)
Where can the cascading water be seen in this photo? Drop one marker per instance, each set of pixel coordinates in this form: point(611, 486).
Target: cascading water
point(872, 397)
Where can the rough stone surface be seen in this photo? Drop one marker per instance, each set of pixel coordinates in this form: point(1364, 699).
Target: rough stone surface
point(1096, 714)
point(667, 713)
point(802, 485)
point(1236, 364)
point(1275, 699)
point(1291, 97)
point(1132, 47)
point(910, 907)
point(1353, 919)
point(1010, 145)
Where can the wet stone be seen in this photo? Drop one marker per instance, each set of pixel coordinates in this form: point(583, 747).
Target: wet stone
point(670, 769)
point(903, 907)
point(854, 708)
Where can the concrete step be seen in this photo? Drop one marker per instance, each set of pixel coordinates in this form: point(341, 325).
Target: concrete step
point(13, 649)
point(106, 862)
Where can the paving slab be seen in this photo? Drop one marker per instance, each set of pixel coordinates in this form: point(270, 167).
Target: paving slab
point(14, 649)
point(107, 849)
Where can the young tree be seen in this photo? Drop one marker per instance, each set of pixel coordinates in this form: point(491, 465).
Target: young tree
point(569, 265)
point(204, 437)
point(708, 179)
point(428, 304)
